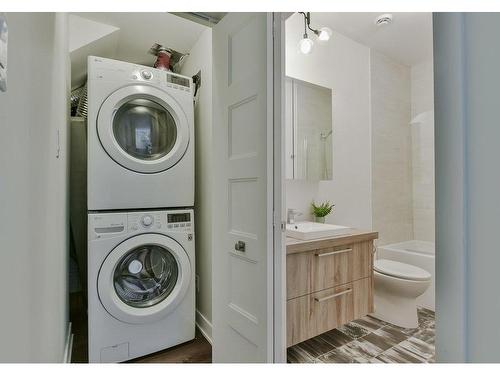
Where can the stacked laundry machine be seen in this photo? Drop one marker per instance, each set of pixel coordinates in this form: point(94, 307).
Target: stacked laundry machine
point(140, 198)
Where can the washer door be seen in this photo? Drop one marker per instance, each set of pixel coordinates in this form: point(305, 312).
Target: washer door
point(143, 129)
point(144, 278)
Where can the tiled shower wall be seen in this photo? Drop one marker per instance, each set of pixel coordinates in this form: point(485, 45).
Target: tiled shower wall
point(402, 154)
point(422, 109)
point(392, 202)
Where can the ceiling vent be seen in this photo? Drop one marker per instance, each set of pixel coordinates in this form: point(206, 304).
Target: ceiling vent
point(383, 19)
point(204, 18)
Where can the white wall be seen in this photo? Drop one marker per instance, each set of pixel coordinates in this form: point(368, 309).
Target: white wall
point(422, 108)
point(200, 58)
point(391, 149)
point(127, 36)
point(34, 190)
point(343, 66)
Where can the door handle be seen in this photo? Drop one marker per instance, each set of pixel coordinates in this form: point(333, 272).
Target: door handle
point(240, 246)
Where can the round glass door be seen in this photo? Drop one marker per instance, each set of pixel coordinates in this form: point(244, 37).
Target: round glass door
point(143, 129)
point(145, 276)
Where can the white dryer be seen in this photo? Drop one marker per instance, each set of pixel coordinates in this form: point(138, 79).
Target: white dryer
point(141, 289)
point(140, 137)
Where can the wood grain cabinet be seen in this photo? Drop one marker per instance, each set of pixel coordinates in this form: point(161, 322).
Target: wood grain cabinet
point(329, 283)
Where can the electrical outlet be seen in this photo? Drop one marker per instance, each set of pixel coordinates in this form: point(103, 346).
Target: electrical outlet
point(197, 283)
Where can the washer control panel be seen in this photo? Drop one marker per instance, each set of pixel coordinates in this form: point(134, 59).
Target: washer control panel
point(146, 221)
point(165, 221)
point(180, 221)
point(107, 225)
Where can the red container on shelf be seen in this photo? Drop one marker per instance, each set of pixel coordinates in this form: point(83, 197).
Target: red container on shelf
point(163, 59)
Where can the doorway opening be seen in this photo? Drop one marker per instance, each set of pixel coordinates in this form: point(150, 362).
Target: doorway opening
point(359, 157)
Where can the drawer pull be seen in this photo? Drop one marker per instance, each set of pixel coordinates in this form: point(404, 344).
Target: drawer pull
point(333, 296)
point(334, 253)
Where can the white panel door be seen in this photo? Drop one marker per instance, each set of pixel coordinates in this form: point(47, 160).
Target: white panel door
point(243, 166)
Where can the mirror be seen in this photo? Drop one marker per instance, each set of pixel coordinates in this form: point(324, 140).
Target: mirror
point(308, 134)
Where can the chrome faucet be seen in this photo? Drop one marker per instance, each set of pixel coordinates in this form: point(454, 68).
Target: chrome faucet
point(290, 217)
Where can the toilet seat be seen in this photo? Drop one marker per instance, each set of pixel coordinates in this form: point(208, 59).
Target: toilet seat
point(400, 270)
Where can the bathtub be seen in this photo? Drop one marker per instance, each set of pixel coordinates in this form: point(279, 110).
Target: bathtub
point(416, 253)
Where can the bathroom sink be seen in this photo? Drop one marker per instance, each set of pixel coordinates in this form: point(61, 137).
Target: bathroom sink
point(307, 230)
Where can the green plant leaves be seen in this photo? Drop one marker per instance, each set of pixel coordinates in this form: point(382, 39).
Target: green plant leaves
point(321, 210)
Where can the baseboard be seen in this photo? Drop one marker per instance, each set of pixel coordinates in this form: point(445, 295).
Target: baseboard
point(68, 347)
point(204, 325)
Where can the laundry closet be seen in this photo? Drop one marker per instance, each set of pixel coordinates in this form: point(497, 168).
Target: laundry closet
point(141, 182)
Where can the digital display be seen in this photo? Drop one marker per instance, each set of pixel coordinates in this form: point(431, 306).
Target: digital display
point(179, 218)
point(177, 80)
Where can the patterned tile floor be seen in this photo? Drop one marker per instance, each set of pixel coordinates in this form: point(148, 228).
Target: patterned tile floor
point(369, 340)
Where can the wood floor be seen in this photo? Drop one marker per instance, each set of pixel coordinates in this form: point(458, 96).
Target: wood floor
point(198, 350)
point(369, 340)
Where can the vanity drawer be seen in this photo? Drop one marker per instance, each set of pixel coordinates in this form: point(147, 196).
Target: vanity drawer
point(313, 271)
point(313, 314)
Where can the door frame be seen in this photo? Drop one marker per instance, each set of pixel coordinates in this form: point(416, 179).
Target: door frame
point(279, 209)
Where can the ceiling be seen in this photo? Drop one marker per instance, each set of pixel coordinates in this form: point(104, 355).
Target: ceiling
point(128, 37)
point(408, 39)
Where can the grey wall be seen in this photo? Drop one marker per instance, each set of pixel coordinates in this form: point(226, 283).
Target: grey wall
point(482, 75)
point(467, 81)
point(450, 188)
point(33, 190)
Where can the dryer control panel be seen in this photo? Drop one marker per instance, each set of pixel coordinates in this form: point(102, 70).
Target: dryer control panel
point(100, 68)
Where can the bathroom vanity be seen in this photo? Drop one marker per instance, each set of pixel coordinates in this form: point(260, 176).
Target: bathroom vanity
point(329, 283)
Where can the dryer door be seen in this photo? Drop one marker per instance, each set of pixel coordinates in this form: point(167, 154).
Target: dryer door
point(144, 278)
point(143, 129)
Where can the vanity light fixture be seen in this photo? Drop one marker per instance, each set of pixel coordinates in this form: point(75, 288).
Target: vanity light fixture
point(306, 44)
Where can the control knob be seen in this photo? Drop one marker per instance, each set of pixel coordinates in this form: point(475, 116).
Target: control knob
point(146, 74)
point(147, 221)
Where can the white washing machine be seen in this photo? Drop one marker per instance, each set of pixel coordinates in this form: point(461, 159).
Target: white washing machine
point(140, 137)
point(141, 288)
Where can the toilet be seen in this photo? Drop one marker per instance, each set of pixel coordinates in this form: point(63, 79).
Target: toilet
point(397, 286)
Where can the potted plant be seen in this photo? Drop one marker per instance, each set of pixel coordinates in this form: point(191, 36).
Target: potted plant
point(320, 211)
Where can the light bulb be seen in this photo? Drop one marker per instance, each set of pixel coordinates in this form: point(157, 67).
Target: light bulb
point(306, 45)
point(324, 34)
